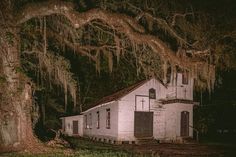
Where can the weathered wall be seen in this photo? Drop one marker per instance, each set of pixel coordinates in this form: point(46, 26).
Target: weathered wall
point(173, 119)
point(69, 124)
point(180, 91)
point(166, 120)
point(159, 122)
point(103, 132)
point(127, 108)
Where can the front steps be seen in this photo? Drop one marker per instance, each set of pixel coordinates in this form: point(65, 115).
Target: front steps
point(147, 141)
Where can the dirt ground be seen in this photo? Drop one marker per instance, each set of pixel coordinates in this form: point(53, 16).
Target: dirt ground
point(162, 150)
point(184, 150)
point(82, 147)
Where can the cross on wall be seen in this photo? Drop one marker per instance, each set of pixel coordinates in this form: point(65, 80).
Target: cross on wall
point(185, 93)
point(142, 101)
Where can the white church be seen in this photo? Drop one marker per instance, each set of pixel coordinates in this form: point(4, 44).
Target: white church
point(146, 110)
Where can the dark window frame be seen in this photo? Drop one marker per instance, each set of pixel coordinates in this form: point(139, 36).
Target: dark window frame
point(108, 118)
point(90, 121)
point(185, 78)
point(152, 91)
point(98, 119)
point(168, 75)
point(86, 122)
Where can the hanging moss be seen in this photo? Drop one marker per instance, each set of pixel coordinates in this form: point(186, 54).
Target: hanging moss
point(58, 68)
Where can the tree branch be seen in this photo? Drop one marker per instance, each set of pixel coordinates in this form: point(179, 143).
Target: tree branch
point(179, 15)
point(73, 46)
point(122, 23)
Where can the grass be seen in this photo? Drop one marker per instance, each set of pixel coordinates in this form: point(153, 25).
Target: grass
point(82, 148)
point(81, 153)
point(86, 148)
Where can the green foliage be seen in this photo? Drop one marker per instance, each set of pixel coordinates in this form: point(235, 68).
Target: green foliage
point(85, 148)
point(94, 86)
point(2, 79)
point(9, 38)
point(19, 70)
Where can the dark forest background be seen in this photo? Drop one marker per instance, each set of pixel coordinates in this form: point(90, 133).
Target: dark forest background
point(214, 118)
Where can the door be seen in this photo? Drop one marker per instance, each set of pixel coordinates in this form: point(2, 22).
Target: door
point(143, 124)
point(75, 127)
point(184, 129)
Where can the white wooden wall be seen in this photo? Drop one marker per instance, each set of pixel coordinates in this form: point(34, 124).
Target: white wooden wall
point(69, 124)
point(127, 108)
point(103, 132)
point(173, 119)
point(166, 120)
point(158, 121)
point(180, 91)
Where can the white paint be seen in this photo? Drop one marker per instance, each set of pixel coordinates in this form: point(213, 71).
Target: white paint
point(142, 103)
point(67, 124)
point(102, 131)
point(166, 117)
point(173, 117)
point(180, 91)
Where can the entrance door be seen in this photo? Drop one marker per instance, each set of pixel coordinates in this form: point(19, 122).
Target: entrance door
point(143, 124)
point(184, 129)
point(75, 127)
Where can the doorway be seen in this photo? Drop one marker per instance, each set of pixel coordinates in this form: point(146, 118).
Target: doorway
point(143, 124)
point(75, 127)
point(184, 127)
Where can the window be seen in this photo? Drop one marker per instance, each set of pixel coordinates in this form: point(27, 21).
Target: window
point(168, 75)
point(152, 93)
point(90, 120)
point(185, 77)
point(86, 122)
point(98, 120)
point(108, 119)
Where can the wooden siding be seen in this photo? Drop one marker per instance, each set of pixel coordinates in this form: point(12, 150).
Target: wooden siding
point(103, 131)
point(127, 108)
point(173, 119)
point(180, 90)
point(166, 118)
point(69, 124)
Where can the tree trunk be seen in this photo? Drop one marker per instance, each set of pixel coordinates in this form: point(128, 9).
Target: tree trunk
point(15, 95)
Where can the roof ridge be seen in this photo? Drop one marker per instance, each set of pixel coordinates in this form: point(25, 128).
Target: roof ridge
point(122, 92)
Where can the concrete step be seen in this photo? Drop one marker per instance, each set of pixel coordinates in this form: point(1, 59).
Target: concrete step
point(147, 141)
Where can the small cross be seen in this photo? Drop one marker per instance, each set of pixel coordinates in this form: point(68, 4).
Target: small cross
point(185, 91)
point(142, 101)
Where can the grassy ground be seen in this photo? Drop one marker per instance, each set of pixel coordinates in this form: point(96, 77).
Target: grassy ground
point(87, 148)
point(81, 148)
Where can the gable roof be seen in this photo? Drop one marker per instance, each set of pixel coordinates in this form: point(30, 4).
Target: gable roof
point(121, 93)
